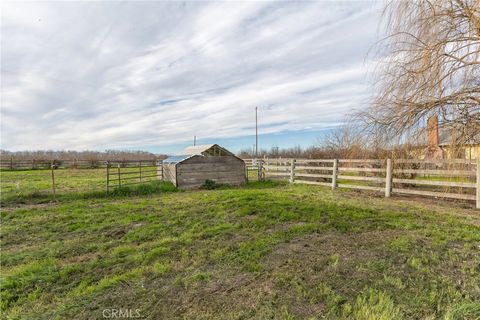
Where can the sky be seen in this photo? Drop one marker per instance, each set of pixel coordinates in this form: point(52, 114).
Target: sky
point(151, 75)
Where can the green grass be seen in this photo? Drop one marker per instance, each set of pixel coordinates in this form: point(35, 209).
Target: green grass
point(264, 251)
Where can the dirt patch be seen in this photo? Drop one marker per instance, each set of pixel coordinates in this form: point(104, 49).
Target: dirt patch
point(81, 258)
point(442, 206)
point(120, 231)
point(450, 203)
point(17, 206)
point(288, 280)
point(316, 249)
point(400, 202)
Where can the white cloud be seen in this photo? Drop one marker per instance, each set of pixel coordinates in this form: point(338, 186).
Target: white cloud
point(103, 75)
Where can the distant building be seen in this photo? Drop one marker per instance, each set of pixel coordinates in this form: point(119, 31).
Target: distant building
point(191, 167)
point(439, 144)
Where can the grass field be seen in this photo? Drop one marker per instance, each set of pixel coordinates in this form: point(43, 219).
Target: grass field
point(26, 185)
point(263, 251)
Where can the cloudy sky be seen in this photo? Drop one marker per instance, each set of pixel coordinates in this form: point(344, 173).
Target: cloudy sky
point(151, 75)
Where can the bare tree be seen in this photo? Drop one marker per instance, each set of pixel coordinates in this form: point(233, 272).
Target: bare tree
point(429, 65)
point(344, 143)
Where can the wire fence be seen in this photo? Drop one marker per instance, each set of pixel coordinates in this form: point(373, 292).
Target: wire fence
point(13, 164)
point(137, 172)
point(51, 181)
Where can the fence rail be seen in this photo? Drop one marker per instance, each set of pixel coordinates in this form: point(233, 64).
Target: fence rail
point(137, 172)
point(454, 179)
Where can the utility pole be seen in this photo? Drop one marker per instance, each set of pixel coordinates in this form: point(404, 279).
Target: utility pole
point(194, 140)
point(256, 132)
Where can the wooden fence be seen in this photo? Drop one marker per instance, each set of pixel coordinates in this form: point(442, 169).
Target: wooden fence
point(253, 169)
point(119, 174)
point(13, 164)
point(454, 179)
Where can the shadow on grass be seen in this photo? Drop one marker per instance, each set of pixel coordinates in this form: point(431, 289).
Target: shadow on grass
point(249, 185)
point(126, 191)
point(212, 185)
point(265, 184)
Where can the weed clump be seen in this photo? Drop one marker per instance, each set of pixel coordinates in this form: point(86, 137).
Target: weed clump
point(144, 189)
point(210, 185)
point(375, 305)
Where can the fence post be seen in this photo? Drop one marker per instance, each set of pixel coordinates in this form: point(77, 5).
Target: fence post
point(11, 163)
point(259, 166)
point(118, 171)
point(292, 171)
point(263, 170)
point(334, 174)
point(108, 175)
point(140, 166)
point(478, 183)
point(159, 164)
point(53, 180)
point(388, 179)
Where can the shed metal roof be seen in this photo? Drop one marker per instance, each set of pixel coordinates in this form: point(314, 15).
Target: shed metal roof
point(202, 150)
point(177, 159)
point(195, 149)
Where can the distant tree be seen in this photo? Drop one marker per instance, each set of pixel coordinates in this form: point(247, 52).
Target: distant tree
point(79, 155)
point(344, 142)
point(429, 65)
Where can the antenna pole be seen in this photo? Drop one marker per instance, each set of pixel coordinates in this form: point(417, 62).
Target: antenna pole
point(256, 132)
point(194, 140)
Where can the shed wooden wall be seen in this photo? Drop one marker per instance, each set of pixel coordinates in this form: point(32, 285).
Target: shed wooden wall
point(193, 172)
point(169, 173)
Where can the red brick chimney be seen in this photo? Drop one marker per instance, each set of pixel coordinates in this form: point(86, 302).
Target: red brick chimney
point(433, 150)
point(432, 127)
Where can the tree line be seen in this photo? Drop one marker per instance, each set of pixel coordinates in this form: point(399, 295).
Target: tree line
point(107, 155)
point(345, 142)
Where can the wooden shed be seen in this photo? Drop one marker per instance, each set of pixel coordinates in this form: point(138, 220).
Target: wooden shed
point(191, 167)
